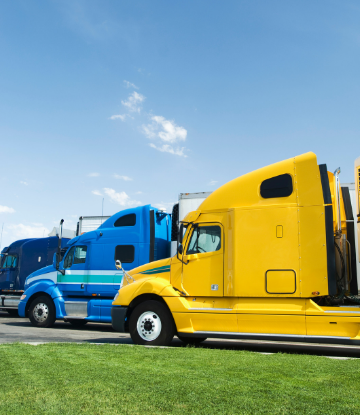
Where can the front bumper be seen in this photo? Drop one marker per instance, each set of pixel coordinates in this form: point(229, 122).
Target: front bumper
point(118, 315)
point(9, 302)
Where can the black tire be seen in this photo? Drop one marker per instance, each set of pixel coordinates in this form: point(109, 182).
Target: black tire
point(77, 322)
point(42, 312)
point(13, 312)
point(155, 322)
point(191, 340)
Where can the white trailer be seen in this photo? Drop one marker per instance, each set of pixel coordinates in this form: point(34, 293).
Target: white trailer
point(89, 223)
point(353, 196)
point(188, 202)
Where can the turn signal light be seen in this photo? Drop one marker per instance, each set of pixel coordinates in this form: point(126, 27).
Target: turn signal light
point(315, 293)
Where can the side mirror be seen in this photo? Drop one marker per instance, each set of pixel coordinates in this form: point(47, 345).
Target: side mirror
point(180, 249)
point(55, 261)
point(118, 264)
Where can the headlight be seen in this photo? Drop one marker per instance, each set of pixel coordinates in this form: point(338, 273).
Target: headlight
point(23, 297)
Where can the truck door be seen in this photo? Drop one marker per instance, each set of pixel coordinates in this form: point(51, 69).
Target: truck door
point(203, 274)
point(75, 276)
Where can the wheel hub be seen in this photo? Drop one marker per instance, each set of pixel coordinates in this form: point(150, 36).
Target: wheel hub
point(41, 312)
point(149, 326)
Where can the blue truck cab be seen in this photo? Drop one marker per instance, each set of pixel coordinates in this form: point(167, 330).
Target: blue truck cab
point(17, 261)
point(84, 285)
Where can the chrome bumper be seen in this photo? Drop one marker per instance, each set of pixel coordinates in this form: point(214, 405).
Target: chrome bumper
point(9, 301)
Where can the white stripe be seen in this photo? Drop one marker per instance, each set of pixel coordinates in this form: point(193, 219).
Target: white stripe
point(48, 276)
point(93, 272)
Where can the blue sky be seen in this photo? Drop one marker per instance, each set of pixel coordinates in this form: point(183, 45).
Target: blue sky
point(135, 102)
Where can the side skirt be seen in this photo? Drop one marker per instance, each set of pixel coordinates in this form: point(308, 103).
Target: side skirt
point(272, 337)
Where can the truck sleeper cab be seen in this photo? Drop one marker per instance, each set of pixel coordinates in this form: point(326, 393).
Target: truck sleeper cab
point(262, 257)
point(20, 259)
point(83, 287)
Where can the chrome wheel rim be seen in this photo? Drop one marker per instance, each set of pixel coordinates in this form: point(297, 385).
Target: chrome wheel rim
point(149, 326)
point(41, 312)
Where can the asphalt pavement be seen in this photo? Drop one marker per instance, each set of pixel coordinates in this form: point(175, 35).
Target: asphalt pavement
point(16, 329)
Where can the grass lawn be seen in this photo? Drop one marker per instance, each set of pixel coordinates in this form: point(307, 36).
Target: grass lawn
point(107, 379)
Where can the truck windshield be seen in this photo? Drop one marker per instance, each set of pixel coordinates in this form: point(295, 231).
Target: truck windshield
point(8, 261)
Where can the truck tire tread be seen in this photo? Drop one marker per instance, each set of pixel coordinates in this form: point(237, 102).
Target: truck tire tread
point(168, 328)
point(51, 312)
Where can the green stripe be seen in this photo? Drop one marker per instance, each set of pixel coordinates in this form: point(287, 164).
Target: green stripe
point(159, 270)
point(90, 279)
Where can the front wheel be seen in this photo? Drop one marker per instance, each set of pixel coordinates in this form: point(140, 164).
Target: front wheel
point(42, 312)
point(151, 324)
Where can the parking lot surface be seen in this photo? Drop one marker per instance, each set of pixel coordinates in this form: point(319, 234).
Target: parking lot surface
point(16, 329)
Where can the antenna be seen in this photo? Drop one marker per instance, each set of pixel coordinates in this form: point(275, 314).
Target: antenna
point(1, 235)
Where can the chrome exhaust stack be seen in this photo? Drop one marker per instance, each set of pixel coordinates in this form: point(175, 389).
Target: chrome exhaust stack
point(341, 243)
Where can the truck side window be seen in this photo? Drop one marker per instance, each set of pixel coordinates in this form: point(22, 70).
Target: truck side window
point(10, 261)
point(278, 186)
point(126, 220)
point(80, 254)
point(204, 239)
point(125, 253)
point(69, 258)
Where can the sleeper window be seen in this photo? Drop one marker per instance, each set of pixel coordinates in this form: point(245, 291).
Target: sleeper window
point(278, 186)
point(125, 253)
point(126, 220)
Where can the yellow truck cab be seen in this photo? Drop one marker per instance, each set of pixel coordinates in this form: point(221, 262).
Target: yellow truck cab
point(268, 255)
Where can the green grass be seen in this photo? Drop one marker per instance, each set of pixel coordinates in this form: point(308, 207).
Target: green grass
point(107, 379)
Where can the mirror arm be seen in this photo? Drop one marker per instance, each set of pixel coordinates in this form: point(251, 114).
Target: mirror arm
point(180, 235)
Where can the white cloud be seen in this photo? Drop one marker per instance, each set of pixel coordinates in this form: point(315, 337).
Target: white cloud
point(94, 174)
point(121, 117)
point(133, 103)
point(138, 193)
point(166, 148)
point(21, 231)
point(166, 206)
point(213, 182)
point(168, 133)
point(125, 178)
point(121, 198)
point(96, 192)
point(6, 209)
point(164, 129)
point(24, 183)
point(130, 85)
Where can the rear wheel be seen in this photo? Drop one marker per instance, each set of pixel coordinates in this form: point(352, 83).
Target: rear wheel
point(151, 324)
point(42, 312)
point(77, 322)
point(13, 312)
point(191, 340)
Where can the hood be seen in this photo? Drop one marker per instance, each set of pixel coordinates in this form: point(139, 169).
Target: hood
point(42, 271)
point(155, 268)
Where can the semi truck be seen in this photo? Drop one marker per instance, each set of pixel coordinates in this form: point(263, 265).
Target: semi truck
point(17, 261)
point(269, 255)
point(81, 287)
